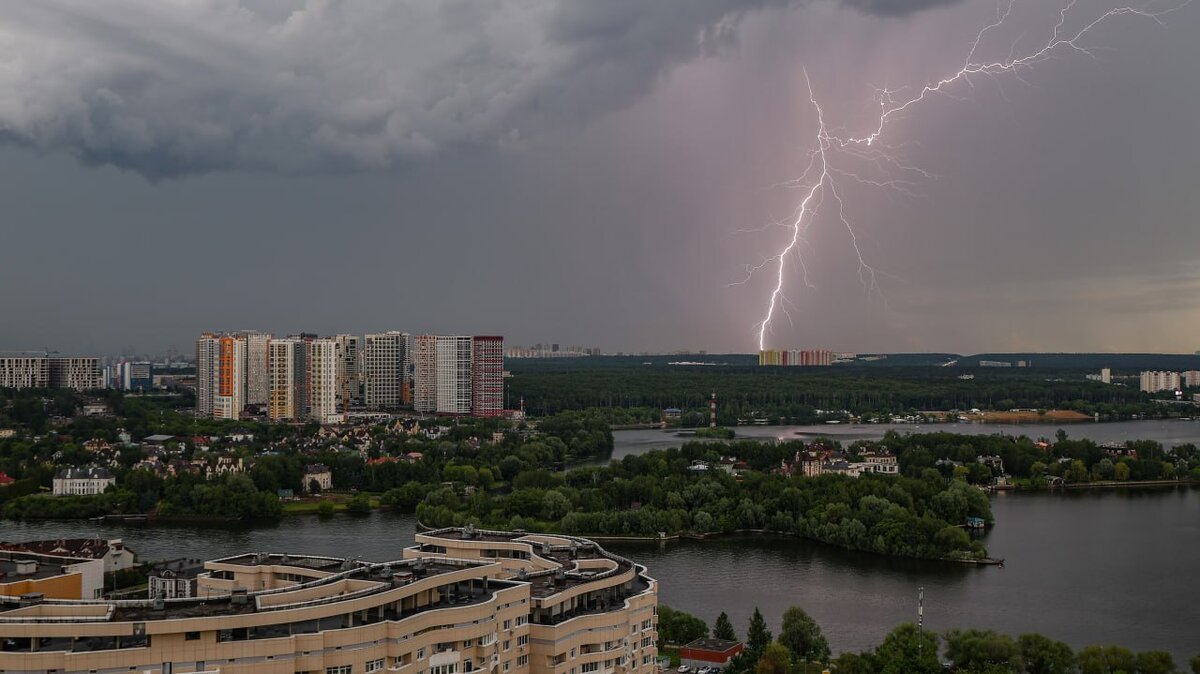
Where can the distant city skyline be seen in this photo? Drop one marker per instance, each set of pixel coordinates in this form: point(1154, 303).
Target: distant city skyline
point(596, 173)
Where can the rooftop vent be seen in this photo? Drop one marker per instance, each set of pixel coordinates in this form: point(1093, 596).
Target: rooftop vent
point(418, 569)
point(32, 598)
point(402, 578)
point(560, 576)
point(25, 567)
point(522, 575)
point(469, 531)
point(519, 532)
point(239, 596)
point(159, 602)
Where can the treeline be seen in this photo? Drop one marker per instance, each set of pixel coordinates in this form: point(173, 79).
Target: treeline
point(910, 650)
point(660, 492)
point(230, 497)
point(794, 395)
point(1076, 461)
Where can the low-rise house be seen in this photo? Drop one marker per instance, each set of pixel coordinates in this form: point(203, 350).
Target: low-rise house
point(85, 481)
point(317, 473)
point(709, 652)
point(112, 552)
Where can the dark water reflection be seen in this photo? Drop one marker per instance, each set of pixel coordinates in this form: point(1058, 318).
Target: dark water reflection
point(1097, 567)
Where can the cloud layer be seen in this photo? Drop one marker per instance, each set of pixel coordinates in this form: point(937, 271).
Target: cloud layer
point(168, 88)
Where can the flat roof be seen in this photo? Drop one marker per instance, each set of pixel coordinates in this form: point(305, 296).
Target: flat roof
point(711, 644)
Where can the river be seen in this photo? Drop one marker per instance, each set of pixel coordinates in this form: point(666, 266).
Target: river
point(1169, 433)
point(1091, 567)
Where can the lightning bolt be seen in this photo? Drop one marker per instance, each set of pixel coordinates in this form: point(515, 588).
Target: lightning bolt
point(817, 181)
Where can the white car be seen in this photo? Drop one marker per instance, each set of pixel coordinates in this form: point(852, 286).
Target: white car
point(684, 669)
point(705, 670)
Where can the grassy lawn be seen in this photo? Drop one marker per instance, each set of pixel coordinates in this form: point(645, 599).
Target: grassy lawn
point(310, 506)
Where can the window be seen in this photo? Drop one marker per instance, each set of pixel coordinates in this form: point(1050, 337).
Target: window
point(572, 652)
point(374, 665)
point(507, 644)
point(522, 619)
point(467, 643)
point(647, 624)
point(646, 642)
point(507, 665)
point(523, 639)
point(192, 636)
point(508, 624)
point(340, 669)
point(522, 660)
point(451, 668)
point(589, 667)
point(420, 653)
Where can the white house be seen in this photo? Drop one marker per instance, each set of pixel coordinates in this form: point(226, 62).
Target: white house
point(85, 481)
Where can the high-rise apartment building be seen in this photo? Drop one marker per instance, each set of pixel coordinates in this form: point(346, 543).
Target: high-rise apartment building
point(1153, 382)
point(287, 376)
point(425, 373)
point(487, 376)
point(206, 373)
point(257, 362)
point(25, 370)
point(230, 396)
point(1191, 378)
point(350, 354)
point(453, 363)
point(321, 356)
point(386, 370)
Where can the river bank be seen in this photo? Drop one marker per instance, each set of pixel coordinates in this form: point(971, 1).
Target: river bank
point(1065, 553)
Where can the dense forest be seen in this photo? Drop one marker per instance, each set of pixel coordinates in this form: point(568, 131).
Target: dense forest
point(797, 395)
point(660, 491)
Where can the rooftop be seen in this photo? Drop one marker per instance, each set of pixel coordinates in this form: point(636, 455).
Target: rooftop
point(715, 645)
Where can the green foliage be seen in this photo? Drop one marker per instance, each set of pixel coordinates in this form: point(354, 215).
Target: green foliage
point(907, 650)
point(1155, 662)
point(775, 659)
point(982, 651)
point(1194, 663)
point(802, 636)
point(758, 636)
point(723, 628)
point(1042, 655)
point(359, 504)
point(1106, 660)
point(678, 627)
point(326, 508)
point(233, 496)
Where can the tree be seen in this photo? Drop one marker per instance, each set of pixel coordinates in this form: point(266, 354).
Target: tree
point(775, 659)
point(909, 650)
point(802, 635)
point(1155, 662)
point(757, 635)
point(1045, 656)
point(855, 663)
point(723, 628)
point(678, 627)
point(1195, 664)
point(982, 651)
point(314, 487)
point(325, 508)
point(1106, 660)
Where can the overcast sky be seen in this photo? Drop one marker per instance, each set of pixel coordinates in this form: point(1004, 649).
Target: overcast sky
point(593, 172)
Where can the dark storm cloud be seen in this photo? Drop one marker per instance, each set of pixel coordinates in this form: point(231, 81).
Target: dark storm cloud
point(896, 7)
point(168, 89)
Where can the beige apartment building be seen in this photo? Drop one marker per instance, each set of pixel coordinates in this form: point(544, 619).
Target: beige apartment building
point(459, 602)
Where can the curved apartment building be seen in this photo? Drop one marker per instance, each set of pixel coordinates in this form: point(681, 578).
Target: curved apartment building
point(459, 602)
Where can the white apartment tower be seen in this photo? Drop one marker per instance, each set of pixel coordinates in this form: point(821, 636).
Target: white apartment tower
point(385, 373)
point(350, 371)
point(425, 386)
point(453, 363)
point(257, 363)
point(206, 373)
point(286, 377)
point(323, 365)
point(1153, 382)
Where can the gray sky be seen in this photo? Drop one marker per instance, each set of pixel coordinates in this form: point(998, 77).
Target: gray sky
point(578, 171)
